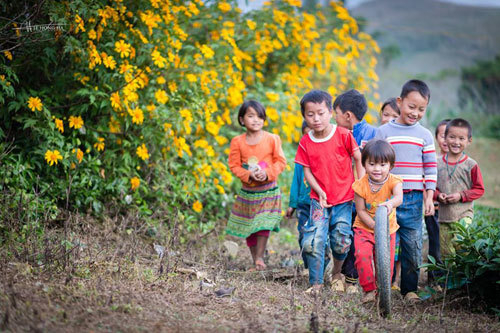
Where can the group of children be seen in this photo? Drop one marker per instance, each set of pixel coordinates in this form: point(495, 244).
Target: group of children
point(396, 168)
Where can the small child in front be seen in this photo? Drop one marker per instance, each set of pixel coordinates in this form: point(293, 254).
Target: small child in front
point(256, 158)
point(326, 154)
point(416, 164)
point(377, 188)
point(459, 183)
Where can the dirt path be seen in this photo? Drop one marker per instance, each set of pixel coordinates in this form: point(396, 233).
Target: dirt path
point(113, 284)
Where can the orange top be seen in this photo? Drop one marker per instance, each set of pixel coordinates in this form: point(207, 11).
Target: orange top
point(267, 154)
point(362, 188)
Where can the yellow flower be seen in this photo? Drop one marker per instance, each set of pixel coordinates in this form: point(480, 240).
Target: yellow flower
point(220, 189)
point(108, 61)
point(273, 97)
point(134, 183)
point(8, 55)
point(79, 24)
point(207, 51)
point(224, 7)
point(92, 34)
point(161, 96)
point(79, 155)
point(34, 103)
point(212, 128)
point(137, 116)
point(158, 59)
point(59, 125)
point(142, 152)
point(197, 206)
point(172, 86)
point(161, 80)
point(115, 101)
point(251, 24)
point(52, 156)
point(99, 145)
point(191, 77)
point(75, 122)
point(122, 48)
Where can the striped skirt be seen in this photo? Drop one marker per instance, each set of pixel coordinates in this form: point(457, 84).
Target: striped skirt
point(256, 208)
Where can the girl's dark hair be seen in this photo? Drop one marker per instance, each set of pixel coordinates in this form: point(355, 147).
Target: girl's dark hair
point(441, 123)
point(259, 108)
point(392, 103)
point(378, 151)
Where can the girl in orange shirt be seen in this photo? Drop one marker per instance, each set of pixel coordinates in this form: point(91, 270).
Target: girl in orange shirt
point(377, 188)
point(257, 159)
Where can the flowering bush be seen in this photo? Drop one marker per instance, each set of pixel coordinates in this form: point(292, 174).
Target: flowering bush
point(134, 102)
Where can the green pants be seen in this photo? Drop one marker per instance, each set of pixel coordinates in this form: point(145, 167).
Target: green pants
point(448, 235)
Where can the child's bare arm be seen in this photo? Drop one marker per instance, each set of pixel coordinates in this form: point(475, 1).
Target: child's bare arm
point(362, 212)
point(360, 171)
point(315, 186)
point(396, 200)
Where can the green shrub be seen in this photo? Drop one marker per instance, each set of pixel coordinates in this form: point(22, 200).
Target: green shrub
point(475, 266)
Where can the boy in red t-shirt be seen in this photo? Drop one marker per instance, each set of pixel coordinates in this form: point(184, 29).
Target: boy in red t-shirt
point(326, 153)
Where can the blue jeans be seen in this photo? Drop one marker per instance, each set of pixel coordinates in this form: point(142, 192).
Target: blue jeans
point(333, 224)
point(409, 217)
point(303, 211)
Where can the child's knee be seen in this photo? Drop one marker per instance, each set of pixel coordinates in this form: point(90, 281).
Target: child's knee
point(312, 240)
point(340, 240)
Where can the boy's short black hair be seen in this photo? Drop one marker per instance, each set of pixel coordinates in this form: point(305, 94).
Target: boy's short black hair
point(392, 103)
point(316, 96)
point(259, 108)
point(416, 85)
point(441, 123)
point(378, 151)
point(352, 100)
point(459, 122)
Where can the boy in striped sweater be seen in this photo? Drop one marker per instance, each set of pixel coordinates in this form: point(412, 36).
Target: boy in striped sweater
point(416, 164)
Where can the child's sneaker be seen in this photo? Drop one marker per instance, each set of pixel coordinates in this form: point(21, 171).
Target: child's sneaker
point(351, 289)
point(412, 297)
point(338, 285)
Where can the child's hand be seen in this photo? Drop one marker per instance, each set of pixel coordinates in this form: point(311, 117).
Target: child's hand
point(428, 207)
point(322, 200)
point(442, 197)
point(453, 198)
point(289, 212)
point(253, 175)
point(261, 175)
point(389, 206)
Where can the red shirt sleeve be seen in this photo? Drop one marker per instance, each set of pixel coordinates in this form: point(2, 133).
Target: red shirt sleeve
point(477, 189)
point(351, 144)
point(302, 157)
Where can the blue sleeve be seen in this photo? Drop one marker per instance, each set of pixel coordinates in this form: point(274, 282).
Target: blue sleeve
point(294, 189)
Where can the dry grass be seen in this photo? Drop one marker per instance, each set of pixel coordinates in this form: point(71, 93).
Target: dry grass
point(113, 283)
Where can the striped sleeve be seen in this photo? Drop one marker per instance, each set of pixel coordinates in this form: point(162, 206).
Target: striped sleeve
point(429, 162)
